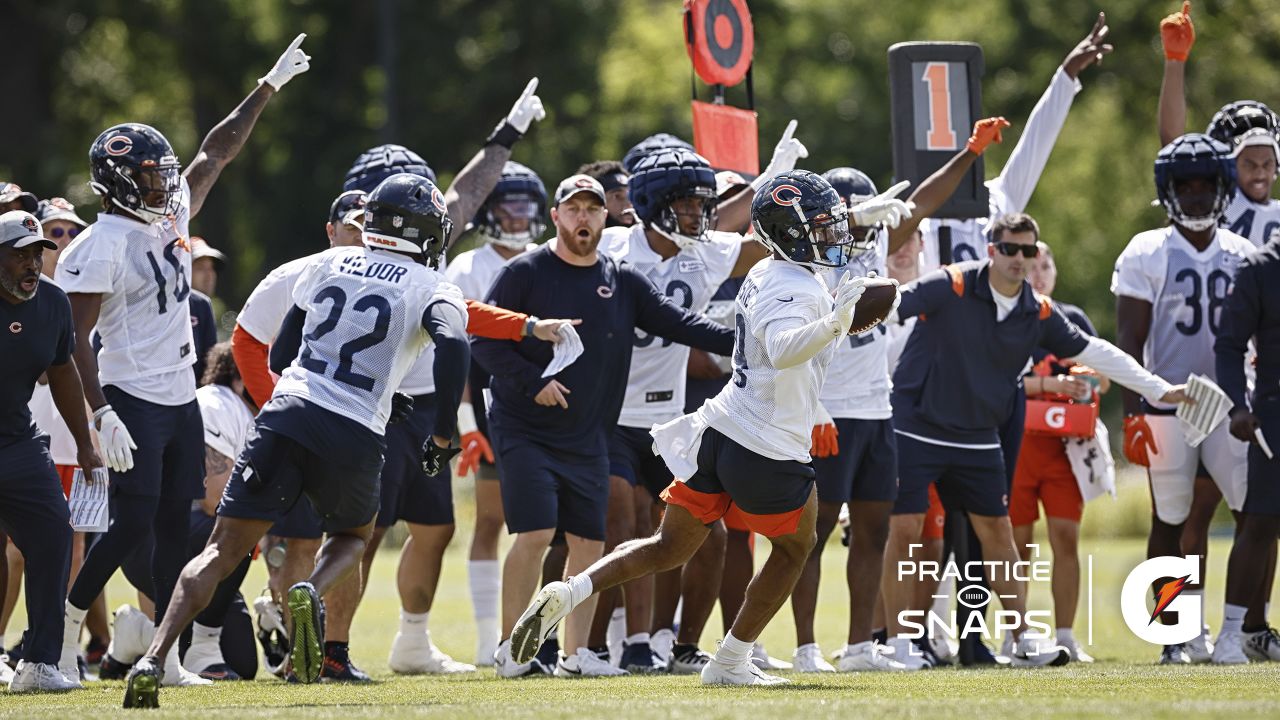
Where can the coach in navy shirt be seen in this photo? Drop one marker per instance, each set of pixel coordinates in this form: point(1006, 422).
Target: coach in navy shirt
point(979, 323)
point(550, 435)
point(36, 338)
point(1252, 311)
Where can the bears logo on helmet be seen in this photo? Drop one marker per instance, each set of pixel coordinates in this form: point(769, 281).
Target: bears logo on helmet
point(786, 195)
point(118, 145)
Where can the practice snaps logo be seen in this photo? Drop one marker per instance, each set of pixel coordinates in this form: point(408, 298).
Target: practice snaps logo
point(1177, 573)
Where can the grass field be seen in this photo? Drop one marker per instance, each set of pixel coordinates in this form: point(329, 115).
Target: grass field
point(1125, 683)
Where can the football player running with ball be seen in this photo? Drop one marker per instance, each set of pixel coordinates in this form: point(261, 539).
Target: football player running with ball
point(749, 445)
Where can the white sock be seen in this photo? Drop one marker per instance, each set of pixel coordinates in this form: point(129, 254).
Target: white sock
point(487, 631)
point(1232, 618)
point(638, 638)
point(415, 623)
point(204, 633)
point(579, 589)
point(1065, 636)
point(75, 614)
point(733, 652)
point(486, 586)
point(73, 618)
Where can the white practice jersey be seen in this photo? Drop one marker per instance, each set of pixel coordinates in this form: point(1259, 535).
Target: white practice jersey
point(270, 301)
point(656, 383)
point(1187, 289)
point(858, 384)
point(474, 270)
point(766, 410)
point(1255, 222)
point(62, 446)
point(363, 330)
point(1011, 191)
point(227, 419)
point(143, 273)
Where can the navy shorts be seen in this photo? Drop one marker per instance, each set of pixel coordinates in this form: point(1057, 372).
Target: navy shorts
point(544, 487)
point(169, 461)
point(631, 458)
point(300, 521)
point(297, 448)
point(408, 493)
point(1262, 496)
point(866, 468)
point(967, 479)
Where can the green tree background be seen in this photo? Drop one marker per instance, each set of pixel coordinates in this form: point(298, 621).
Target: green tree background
point(437, 75)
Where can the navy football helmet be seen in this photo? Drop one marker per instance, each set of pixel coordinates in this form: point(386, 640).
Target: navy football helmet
point(854, 187)
point(1195, 156)
point(659, 141)
point(802, 218)
point(661, 178)
point(1245, 122)
point(406, 213)
point(134, 168)
point(519, 194)
point(379, 163)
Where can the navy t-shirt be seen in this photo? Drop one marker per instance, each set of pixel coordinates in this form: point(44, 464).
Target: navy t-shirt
point(34, 335)
point(1081, 321)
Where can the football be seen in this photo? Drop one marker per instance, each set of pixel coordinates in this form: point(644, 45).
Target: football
point(874, 305)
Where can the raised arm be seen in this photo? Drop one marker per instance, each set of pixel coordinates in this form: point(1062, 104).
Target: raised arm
point(1177, 35)
point(225, 140)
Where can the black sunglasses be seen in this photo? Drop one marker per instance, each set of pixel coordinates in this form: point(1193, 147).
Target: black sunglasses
point(1010, 249)
point(58, 232)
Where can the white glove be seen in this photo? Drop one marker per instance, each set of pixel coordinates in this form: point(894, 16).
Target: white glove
point(785, 154)
point(527, 108)
point(885, 208)
point(114, 439)
point(292, 62)
point(848, 292)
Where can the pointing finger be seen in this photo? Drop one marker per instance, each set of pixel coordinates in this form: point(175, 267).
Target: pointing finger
point(896, 189)
point(296, 42)
point(529, 89)
point(786, 134)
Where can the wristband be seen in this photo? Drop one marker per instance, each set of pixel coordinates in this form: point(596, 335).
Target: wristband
point(505, 135)
point(99, 413)
point(529, 325)
point(466, 419)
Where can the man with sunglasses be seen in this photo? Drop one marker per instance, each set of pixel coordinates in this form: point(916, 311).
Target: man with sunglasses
point(129, 274)
point(979, 323)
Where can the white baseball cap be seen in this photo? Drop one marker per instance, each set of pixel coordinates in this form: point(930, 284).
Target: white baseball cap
point(19, 228)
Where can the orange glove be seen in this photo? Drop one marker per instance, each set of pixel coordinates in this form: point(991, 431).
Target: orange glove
point(474, 443)
point(1178, 34)
point(1139, 443)
point(824, 442)
point(985, 132)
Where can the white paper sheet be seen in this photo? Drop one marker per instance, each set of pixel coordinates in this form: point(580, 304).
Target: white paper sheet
point(88, 502)
point(1209, 410)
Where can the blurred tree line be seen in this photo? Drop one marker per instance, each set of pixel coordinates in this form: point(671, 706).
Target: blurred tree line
point(436, 76)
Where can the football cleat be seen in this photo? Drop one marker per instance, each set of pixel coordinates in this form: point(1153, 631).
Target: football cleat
point(586, 663)
point(1077, 653)
point(687, 660)
point(1262, 645)
point(307, 638)
point(904, 651)
point(549, 607)
point(39, 677)
point(507, 668)
point(1200, 649)
point(1174, 655)
point(1027, 652)
point(143, 687)
point(95, 651)
point(808, 659)
point(867, 656)
point(272, 634)
point(640, 659)
point(113, 669)
point(339, 668)
point(1229, 650)
point(204, 658)
point(764, 661)
point(549, 654)
point(417, 655)
point(747, 673)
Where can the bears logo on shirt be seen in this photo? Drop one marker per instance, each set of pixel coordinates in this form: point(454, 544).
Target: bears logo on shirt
point(15, 327)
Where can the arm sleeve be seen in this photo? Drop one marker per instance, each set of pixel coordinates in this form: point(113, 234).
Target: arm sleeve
point(490, 321)
point(791, 341)
point(251, 359)
point(1122, 368)
point(1239, 321)
point(288, 340)
point(448, 330)
point(1021, 173)
point(496, 352)
point(657, 315)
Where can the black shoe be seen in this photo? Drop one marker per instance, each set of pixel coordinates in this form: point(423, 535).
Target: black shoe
point(112, 669)
point(217, 673)
point(982, 655)
point(925, 646)
point(307, 637)
point(638, 659)
point(143, 690)
point(549, 654)
point(338, 666)
point(880, 637)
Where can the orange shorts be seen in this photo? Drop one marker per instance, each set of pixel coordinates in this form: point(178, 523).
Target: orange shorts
point(735, 519)
point(1043, 475)
point(66, 473)
point(935, 518)
point(710, 507)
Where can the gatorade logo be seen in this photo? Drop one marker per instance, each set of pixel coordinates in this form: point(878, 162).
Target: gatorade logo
point(1055, 417)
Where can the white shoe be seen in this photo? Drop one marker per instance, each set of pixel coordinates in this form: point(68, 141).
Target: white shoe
point(1006, 645)
point(904, 651)
point(762, 659)
point(486, 646)
point(866, 656)
point(661, 644)
point(1077, 653)
point(549, 607)
point(1174, 655)
point(1027, 652)
point(808, 659)
point(717, 673)
point(1229, 649)
point(507, 668)
point(942, 649)
point(6, 672)
point(204, 658)
point(175, 675)
point(585, 663)
point(1263, 645)
point(1200, 649)
point(40, 677)
point(132, 634)
point(416, 655)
